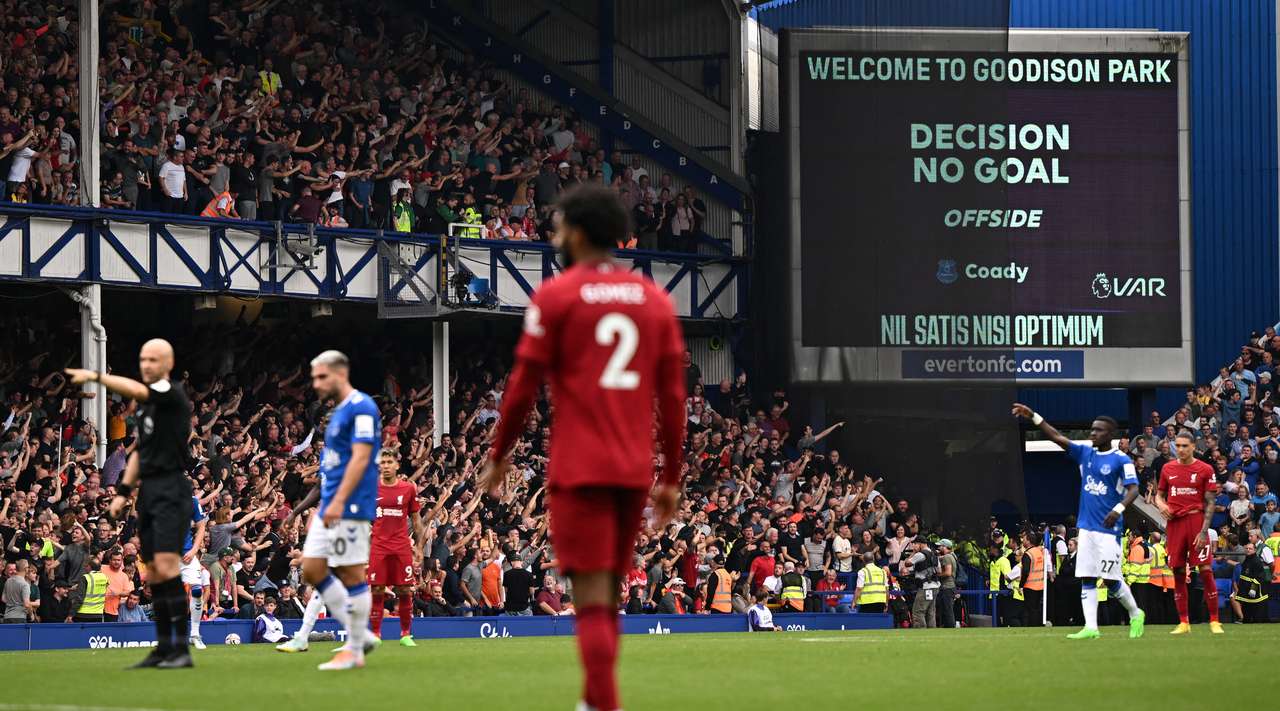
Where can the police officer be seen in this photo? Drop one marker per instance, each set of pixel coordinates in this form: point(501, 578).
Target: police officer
point(157, 470)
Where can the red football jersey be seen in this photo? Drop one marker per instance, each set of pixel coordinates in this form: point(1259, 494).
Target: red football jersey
point(391, 527)
point(1184, 486)
point(609, 342)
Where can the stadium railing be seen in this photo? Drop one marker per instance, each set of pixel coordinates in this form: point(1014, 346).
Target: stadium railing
point(158, 250)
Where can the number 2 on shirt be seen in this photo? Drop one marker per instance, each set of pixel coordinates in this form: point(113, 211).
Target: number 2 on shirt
point(618, 330)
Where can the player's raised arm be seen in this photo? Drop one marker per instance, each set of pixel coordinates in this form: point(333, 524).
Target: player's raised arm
point(1020, 410)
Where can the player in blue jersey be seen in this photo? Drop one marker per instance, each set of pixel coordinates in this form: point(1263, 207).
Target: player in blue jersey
point(1108, 485)
point(336, 553)
point(192, 570)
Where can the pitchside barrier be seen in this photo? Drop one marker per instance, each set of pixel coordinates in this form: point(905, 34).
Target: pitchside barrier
point(114, 635)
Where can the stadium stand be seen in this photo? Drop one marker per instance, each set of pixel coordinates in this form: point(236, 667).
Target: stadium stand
point(306, 112)
point(762, 489)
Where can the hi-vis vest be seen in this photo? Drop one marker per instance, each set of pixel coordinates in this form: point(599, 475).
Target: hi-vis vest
point(723, 600)
point(875, 588)
point(1103, 590)
point(999, 569)
point(471, 216)
point(1273, 542)
point(95, 594)
point(793, 595)
point(1141, 572)
point(211, 210)
point(402, 217)
point(1137, 571)
point(1161, 576)
point(270, 82)
point(1126, 550)
point(1035, 578)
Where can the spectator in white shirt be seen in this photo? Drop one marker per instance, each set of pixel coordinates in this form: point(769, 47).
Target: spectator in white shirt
point(20, 167)
point(173, 179)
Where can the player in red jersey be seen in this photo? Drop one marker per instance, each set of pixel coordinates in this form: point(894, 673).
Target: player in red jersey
point(393, 558)
point(609, 342)
point(1186, 497)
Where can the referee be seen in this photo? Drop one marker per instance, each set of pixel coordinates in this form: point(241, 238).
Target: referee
point(157, 470)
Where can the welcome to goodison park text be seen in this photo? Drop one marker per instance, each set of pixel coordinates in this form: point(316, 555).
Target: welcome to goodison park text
point(998, 69)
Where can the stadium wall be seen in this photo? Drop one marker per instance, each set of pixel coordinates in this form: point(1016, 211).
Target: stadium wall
point(117, 635)
point(1235, 204)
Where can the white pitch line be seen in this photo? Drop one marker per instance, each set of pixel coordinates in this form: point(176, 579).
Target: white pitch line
point(71, 707)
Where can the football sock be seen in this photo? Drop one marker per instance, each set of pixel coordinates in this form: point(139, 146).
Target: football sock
point(196, 609)
point(169, 607)
point(1089, 604)
point(375, 614)
point(359, 602)
point(160, 616)
point(1210, 592)
point(1180, 595)
point(334, 595)
point(597, 631)
point(404, 605)
point(1120, 591)
point(310, 615)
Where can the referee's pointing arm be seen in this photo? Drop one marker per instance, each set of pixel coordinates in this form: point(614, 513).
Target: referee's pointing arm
point(154, 363)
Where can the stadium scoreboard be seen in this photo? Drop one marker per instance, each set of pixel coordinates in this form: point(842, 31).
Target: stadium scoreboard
point(979, 206)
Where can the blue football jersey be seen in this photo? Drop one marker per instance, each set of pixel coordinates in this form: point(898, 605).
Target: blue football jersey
point(356, 419)
point(197, 515)
point(1103, 478)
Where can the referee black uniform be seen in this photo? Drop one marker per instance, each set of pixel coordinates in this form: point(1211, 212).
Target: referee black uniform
point(164, 494)
point(164, 507)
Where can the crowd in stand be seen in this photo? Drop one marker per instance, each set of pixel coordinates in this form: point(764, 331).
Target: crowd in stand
point(313, 112)
point(768, 508)
point(760, 502)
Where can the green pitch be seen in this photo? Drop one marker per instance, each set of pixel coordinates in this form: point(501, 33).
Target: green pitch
point(929, 669)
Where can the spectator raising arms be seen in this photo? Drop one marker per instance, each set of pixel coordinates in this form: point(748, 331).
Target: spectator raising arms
point(203, 101)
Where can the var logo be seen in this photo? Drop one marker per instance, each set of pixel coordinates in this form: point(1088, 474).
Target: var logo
point(1105, 287)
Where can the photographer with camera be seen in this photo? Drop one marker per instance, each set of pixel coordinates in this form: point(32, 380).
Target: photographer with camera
point(921, 569)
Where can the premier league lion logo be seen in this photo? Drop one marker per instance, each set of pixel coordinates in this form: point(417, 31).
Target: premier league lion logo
point(1101, 286)
point(947, 273)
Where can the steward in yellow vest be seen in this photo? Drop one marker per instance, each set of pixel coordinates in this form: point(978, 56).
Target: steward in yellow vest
point(89, 600)
point(871, 591)
point(1001, 577)
point(792, 590)
point(1273, 542)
